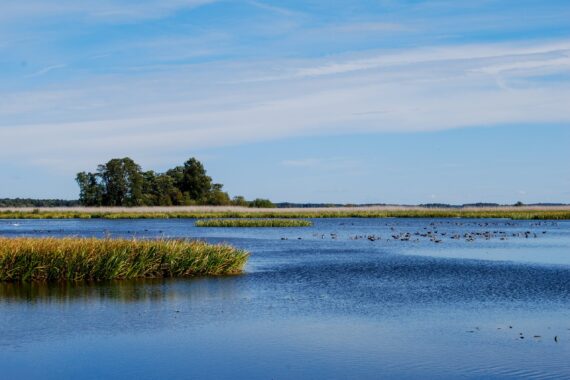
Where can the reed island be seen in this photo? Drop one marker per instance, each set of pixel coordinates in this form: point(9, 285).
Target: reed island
point(79, 259)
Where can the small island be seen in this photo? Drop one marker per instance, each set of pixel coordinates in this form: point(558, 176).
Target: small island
point(79, 259)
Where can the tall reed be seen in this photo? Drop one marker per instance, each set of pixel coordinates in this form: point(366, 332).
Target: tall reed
point(75, 259)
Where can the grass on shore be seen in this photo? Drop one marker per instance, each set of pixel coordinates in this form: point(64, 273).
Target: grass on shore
point(524, 214)
point(253, 223)
point(77, 259)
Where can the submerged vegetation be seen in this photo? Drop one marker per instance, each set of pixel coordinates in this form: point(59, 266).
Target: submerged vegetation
point(76, 259)
point(173, 213)
point(253, 223)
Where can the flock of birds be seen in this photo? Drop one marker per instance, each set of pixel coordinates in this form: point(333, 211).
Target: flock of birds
point(520, 336)
point(485, 231)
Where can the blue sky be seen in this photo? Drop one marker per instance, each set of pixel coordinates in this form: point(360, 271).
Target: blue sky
point(303, 101)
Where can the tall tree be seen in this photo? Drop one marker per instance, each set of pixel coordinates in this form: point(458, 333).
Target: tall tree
point(90, 190)
point(195, 182)
point(123, 182)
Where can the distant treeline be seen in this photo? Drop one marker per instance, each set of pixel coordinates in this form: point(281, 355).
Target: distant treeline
point(324, 205)
point(425, 205)
point(27, 202)
point(483, 205)
point(308, 205)
point(122, 182)
point(445, 205)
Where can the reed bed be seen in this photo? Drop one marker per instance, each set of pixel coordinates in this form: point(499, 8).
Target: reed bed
point(530, 213)
point(253, 223)
point(77, 259)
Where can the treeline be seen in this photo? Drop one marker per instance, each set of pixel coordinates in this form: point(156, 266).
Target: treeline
point(28, 202)
point(490, 205)
point(122, 182)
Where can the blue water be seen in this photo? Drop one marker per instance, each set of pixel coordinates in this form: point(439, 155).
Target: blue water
point(485, 301)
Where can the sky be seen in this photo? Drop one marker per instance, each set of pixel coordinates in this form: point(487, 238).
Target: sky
point(360, 101)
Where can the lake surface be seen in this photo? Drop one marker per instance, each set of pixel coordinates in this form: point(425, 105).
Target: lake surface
point(344, 299)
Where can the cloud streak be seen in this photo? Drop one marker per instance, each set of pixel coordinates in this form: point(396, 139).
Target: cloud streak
point(547, 54)
point(46, 70)
point(100, 10)
point(201, 106)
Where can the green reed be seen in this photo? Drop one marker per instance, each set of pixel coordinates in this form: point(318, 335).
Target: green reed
point(76, 259)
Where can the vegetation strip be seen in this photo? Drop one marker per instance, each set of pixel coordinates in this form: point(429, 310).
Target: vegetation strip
point(76, 259)
point(253, 223)
point(531, 214)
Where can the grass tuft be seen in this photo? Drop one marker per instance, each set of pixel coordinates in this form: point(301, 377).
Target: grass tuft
point(77, 259)
point(253, 223)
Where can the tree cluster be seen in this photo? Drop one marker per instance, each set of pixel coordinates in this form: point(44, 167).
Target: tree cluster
point(122, 182)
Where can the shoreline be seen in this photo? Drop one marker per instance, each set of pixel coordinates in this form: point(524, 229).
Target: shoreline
point(198, 209)
point(206, 212)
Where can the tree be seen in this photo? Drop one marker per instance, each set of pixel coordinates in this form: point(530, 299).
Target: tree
point(217, 197)
point(261, 203)
point(177, 175)
point(123, 182)
point(167, 192)
point(90, 190)
point(150, 192)
point(239, 200)
point(194, 181)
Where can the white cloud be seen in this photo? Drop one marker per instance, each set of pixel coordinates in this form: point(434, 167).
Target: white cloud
point(219, 104)
point(522, 57)
point(540, 63)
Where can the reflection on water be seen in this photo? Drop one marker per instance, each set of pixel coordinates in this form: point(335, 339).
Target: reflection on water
point(322, 302)
point(130, 291)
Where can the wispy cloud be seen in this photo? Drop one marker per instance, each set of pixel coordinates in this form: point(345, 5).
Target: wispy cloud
point(102, 10)
point(272, 8)
point(498, 58)
point(46, 70)
point(366, 27)
point(327, 163)
point(201, 106)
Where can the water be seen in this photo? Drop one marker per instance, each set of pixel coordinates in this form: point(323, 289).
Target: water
point(321, 302)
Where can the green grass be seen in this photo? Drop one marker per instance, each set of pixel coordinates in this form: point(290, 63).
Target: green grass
point(253, 223)
point(76, 259)
point(530, 214)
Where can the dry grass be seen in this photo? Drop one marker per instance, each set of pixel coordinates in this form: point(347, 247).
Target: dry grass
point(238, 209)
point(202, 212)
